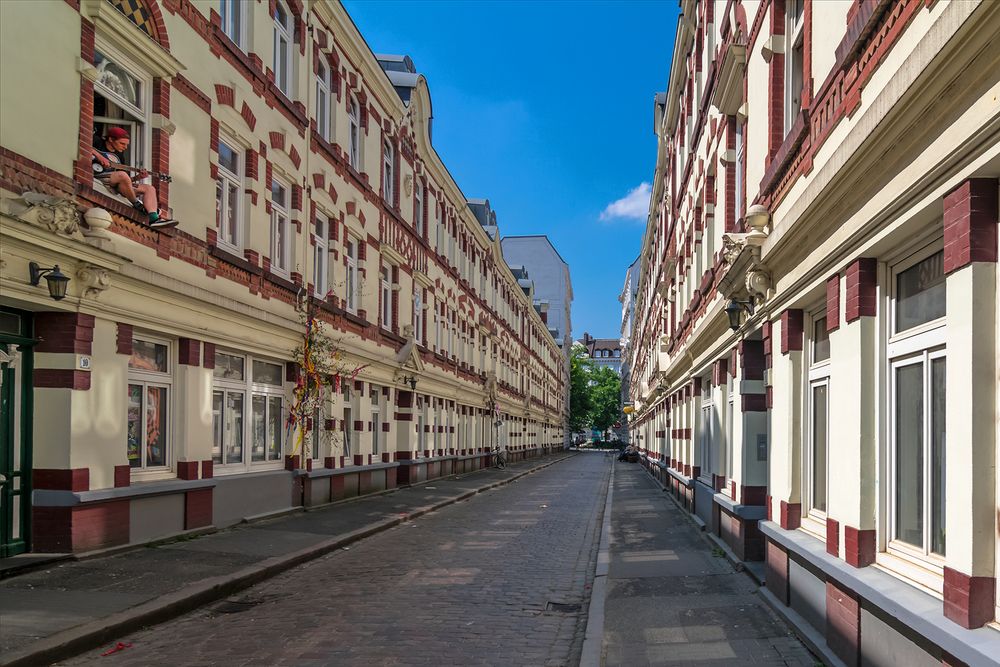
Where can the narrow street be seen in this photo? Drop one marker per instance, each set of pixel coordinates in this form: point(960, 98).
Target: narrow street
point(502, 579)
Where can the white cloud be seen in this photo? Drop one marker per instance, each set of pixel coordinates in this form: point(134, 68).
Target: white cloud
point(633, 206)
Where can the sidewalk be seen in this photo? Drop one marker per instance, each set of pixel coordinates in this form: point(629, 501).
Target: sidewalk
point(76, 605)
point(671, 599)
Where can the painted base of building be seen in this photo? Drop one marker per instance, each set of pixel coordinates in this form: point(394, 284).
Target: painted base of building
point(850, 615)
point(68, 517)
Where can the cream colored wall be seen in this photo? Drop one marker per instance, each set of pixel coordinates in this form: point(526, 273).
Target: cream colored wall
point(829, 18)
point(41, 87)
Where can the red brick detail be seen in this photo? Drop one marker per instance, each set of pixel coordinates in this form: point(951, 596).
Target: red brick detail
point(197, 508)
point(791, 330)
point(189, 352)
point(861, 280)
point(970, 223)
point(123, 476)
point(292, 461)
point(751, 359)
point(791, 515)
point(754, 402)
point(225, 95)
point(71, 479)
point(61, 378)
point(64, 332)
point(719, 372)
point(968, 601)
point(209, 361)
point(248, 116)
point(859, 546)
point(207, 469)
point(776, 561)
point(753, 495)
point(843, 623)
point(124, 339)
point(833, 302)
point(80, 528)
point(833, 537)
point(190, 91)
point(277, 140)
point(187, 470)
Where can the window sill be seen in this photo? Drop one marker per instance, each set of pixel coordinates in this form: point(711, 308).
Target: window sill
point(284, 283)
point(922, 575)
point(235, 260)
point(147, 487)
point(356, 319)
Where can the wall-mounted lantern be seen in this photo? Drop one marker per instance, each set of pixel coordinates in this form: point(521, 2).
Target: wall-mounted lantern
point(56, 279)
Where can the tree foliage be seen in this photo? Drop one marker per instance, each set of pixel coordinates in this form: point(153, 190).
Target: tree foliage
point(595, 393)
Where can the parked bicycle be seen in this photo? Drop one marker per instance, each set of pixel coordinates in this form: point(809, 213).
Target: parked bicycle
point(499, 458)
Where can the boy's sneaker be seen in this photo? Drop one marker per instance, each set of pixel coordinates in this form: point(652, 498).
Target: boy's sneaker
point(162, 222)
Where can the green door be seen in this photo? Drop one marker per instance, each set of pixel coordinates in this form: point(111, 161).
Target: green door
point(15, 432)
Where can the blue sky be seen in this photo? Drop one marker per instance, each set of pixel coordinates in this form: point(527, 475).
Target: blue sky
point(546, 109)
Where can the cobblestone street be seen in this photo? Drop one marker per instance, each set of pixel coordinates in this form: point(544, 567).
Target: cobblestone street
point(501, 579)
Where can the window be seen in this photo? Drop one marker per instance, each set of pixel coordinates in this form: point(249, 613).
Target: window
point(352, 275)
point(740, 161)
point(282, 48)
point(421, 420)
point(324, 114)
point(708, 435)
point(818, 411)
point(794, 61)
point(386, 280)
point(418, 315)
point(917, 367)
point(730, 424)
point(281, 232)
point(321, 260)
point(148, 425)
point(439, 227)
point(437, 328)
point(354, 134)
point(236, 378)
point(348, 423)
point(228, 195)
point(232, 15)
point(122, 99)
point(376, 420)
point(418, 210)
point(388, 161)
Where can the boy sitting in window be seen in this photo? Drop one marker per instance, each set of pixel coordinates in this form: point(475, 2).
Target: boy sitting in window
point(109, 153)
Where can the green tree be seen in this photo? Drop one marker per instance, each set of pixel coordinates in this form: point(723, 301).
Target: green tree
point(605, 391)
point(580, 399)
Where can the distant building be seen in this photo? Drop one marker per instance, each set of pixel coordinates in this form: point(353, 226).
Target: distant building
point(627, 299)
point(605, 352)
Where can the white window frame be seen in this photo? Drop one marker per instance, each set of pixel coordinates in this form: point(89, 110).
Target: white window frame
point(918, 345)
point(740, 161)
point(351, 282)
point(157, 380)
point(281, 262)
point(228, 182)
point(421, 421)
point(249, 389)
point(437, 327)
point(139, 129)
point(324, 101)
point(376, 399)
point(418, 314)
point(283, 62)
point(385, 280)
point(794, 42)
point(388, 166)
point(354, 155)
point(234, 21)
point(348, 423)
point(707, 430)
point(418, 208)
point(817, 376)
point(321, 256)
point(439, 224)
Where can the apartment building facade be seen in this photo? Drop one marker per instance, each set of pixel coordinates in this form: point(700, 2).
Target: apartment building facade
point(154, 396)
point(814, 360)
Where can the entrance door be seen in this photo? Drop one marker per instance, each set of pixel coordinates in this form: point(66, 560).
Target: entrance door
point(15, 432)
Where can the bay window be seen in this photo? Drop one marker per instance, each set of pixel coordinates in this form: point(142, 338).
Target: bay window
point(281, 230)
point(917, 366)
point(228, 196)
point(148, 418)
point(237, 380)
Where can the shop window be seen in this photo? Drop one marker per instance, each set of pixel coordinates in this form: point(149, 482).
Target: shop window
point(283, 51)
point(281, 229)
point(149, 384)
point(348, 423)
point(421, 420)
point(228, 194)
point(707, 430)
point(917, 386)
point(236, 378)
point(376, 392)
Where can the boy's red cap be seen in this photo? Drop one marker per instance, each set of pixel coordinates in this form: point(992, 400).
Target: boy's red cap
point(117, 133)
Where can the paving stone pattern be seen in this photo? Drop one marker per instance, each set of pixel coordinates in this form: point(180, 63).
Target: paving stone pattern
point(672, 600)
point(502, 579)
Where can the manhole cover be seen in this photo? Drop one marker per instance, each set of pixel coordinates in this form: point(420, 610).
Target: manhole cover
point(238, 605)
point(563, 607)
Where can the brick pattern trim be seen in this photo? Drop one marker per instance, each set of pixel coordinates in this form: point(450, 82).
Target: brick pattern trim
point(71, 333)
point(123, 476)
point(125, 338)
point(187, 470)
point(776, 562)
point(791, 330)
point(71, 479)
point(791, 515)
point(61, 378)
point(861, 282)
point(859, 546)
point(970, 223)
point(833, 302)
point(843, 622)
point(189, 352)
point(968, 601)
point(833, 537)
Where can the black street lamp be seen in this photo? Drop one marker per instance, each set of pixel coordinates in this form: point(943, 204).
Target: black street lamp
point(56, 279)
point(735, 311)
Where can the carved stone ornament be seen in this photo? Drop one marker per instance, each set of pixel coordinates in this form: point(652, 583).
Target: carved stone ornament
point(55, 214)
point(94, 280)
point(758, 284)
point(732, 246)
point(408, 185)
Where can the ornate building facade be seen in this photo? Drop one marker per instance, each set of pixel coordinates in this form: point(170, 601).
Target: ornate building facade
point(154, 398)
point(814, 361)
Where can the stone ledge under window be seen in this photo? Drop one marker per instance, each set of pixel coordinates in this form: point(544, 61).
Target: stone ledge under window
point(360, 321)
point(53, 498)
point(347, 470)
point(235, 260)
point(921, 612)
point(748, 512)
